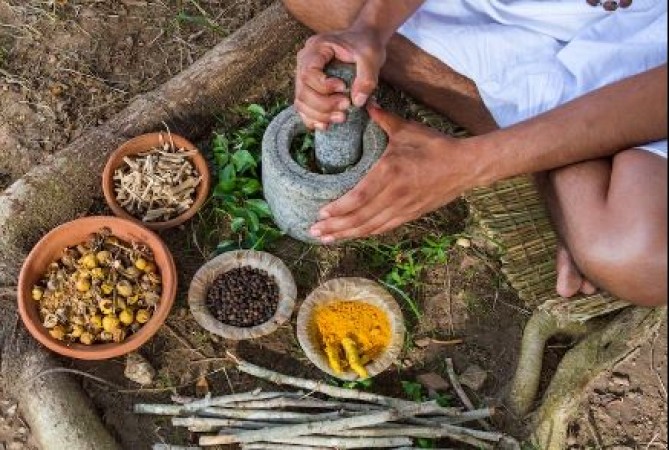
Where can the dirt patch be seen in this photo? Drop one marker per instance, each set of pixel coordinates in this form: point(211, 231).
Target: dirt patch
point(66, 66)
point(627, 408)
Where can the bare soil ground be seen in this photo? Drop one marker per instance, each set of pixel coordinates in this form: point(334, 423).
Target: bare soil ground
point(68, 65)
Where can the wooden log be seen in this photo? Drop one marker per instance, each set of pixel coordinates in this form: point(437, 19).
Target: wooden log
point(66, 184)
point(58, 412)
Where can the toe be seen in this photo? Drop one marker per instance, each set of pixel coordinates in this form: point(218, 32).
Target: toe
point(587, 287)
point(569, 279)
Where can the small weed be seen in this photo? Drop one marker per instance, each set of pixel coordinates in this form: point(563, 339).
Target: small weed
point(414, 391)
point(360, 385)
point(238, 191)
point(409, 259)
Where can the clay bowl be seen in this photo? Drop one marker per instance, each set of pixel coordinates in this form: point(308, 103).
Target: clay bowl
point(197, 294)
point(142, 144)
point(350, 289)
point(51, 247)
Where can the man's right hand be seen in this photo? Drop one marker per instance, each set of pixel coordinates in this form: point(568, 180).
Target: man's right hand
point(320, 100)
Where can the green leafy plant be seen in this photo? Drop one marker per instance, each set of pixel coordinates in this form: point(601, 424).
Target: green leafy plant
point(238, 190)
point(409, 259)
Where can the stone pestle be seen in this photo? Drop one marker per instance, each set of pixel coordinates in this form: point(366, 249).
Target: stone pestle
point(340, 145)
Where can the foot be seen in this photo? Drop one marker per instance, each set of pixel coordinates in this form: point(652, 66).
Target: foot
point(570, 281)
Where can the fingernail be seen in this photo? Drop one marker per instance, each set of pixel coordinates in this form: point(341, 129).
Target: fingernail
point(338, 117)
point(344, 104)
point(315, 232)
point(359, 100)
point(320, 126)
point(327, 239)
point(322, 215)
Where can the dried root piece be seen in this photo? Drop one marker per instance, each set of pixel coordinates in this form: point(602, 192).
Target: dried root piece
point(157, 185)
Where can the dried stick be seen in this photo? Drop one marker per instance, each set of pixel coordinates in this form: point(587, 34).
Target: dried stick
point(340, 442)
point(282, 402)
point(214, 422)
point(455, 382)
point(173, 447)
point(331, 391)
point(320, 427)
point(246, 414)
point(273, 446)
point(235, 398)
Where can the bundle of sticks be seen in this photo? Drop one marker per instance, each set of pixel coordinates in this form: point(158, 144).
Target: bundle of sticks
point(299, 420)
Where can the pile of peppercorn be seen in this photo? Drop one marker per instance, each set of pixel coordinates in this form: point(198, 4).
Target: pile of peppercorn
point(243, 297)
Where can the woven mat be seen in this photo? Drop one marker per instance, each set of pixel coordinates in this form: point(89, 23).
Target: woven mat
point(512, 214)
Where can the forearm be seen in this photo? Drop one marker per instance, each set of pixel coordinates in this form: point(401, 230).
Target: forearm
point(620, 116)
point(384, 17)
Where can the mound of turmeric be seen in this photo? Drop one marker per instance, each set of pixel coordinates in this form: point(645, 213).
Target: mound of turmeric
point(351, 333)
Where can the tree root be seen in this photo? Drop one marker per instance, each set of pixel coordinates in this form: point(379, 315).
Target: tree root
point(599, 351)
point(539, 329)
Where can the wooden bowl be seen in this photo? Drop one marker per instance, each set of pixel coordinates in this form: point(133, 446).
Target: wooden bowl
point(142, 144)
point(205, 276)
point(358, 290)
point(51, 247)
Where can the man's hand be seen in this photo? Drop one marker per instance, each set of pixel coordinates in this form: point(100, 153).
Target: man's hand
point(420, 171)
point(321, 100)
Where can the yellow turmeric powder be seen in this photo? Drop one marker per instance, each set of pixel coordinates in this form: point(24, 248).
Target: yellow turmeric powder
point(365, 326)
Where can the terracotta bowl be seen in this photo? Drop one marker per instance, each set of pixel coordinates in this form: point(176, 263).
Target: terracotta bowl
point(357, 290)
point(51, 247)
point(142, 144)
point(205, 276)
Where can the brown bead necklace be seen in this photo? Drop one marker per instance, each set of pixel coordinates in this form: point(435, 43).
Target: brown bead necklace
point(610, 5)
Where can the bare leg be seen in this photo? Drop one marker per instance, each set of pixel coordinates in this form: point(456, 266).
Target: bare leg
point(611, 215)
point(407, 67)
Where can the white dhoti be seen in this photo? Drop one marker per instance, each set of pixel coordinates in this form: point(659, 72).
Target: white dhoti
point(529, 56)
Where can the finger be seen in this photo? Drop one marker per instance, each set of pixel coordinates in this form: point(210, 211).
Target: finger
point(326, 104)
point(314, 115)
point(310, 124)
point(388, 121)
point(366, 79)
point(366, 190)
point(381, 217)
point(353, 220)
point(317, 80)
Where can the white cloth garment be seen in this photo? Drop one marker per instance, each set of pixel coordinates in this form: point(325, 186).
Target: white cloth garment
point(529, 56)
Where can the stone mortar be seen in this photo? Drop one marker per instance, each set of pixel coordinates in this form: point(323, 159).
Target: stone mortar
point(294, 194)
point(340, 146)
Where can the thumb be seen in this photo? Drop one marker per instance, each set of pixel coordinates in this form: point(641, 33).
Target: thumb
point(366, 79)
point(388, 121)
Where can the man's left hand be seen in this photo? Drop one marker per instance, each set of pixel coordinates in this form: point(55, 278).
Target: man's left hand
point(420, 171)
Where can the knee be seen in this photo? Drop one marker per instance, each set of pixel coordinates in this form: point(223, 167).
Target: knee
point(631, 264)
point(322, 16)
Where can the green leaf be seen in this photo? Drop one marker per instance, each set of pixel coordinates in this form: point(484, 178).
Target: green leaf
point(250, 186)
point(237, 224)
point(425, 443)
point(253, 221)
point(413, 390)
point(256, 110)
point(259, 207)
point(226, 246)
point(243, 161)
point(227, 178)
